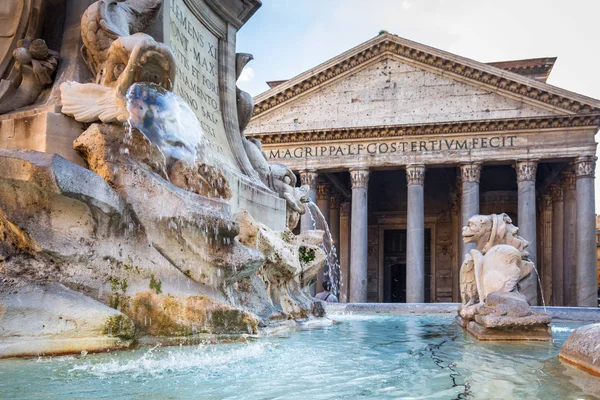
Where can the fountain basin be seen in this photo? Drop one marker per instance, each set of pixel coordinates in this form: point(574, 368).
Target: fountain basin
point(394, 354)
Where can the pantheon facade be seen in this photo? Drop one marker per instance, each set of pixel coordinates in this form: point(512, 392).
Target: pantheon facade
point(401, 144)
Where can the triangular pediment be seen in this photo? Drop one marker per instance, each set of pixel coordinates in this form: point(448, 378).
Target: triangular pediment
point(426, 84)
point(390, 91)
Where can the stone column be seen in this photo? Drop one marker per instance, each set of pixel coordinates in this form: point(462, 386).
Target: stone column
point(309, 177)
point(557, 245)
point(456, 244)
point(359, 239)
point(526, 170)
point(415, 234)
point(323, 190)
point(586, 278)
point(569, 239)
point(344, 251)
point(470, 174)
point(546, 248)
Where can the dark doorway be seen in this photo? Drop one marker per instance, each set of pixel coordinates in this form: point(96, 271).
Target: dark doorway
point(394, 266)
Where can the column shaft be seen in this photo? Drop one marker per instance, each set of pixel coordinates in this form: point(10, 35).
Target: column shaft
point(323, 191)
point(344, 251)
point(415, 234)
point(309, 178)
point(359, 239)
point(470, 175)
point(526, 170)
point(557, 245)
point(546, 248)
point(586, 278)
point(570, 239)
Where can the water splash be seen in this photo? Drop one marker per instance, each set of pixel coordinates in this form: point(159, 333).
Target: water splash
point(168, 122)
point(158, 361)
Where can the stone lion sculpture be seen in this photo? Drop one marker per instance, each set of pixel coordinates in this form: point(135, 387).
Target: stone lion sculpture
point(499, 261)
point(492, 307)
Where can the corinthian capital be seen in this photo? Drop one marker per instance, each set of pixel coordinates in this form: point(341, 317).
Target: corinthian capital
point(323, 190)
point(470, 172)
point(334, 201)
point(309, 177)
point(415, 174)
point(569, 179)
point(556, 191)
point(526, 170)
point(585, 166)
point(359, 177)
point(546, 201)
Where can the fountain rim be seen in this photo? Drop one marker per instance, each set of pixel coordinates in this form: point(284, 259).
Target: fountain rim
point(579, 314)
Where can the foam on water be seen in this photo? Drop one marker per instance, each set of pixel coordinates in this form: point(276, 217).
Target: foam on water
point(158, 361)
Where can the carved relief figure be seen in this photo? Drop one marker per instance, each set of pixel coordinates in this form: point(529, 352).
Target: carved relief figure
point(26, 63)
point(117, 61)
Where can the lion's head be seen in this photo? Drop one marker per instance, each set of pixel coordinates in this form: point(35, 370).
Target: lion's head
point(478, 229)
point(489, 230)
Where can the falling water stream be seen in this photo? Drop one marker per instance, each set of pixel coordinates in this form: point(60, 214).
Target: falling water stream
point(332, 267)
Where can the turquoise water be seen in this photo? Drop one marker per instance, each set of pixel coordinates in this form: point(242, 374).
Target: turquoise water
point(361, 357)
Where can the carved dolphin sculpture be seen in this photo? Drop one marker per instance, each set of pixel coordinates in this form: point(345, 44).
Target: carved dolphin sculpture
point(106, 20)
point(245, 102)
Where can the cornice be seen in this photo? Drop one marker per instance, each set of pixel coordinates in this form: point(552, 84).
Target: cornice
point(440, 128)
point(449, 64)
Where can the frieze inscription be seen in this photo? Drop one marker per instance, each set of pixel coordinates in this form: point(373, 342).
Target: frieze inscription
point(400, 147)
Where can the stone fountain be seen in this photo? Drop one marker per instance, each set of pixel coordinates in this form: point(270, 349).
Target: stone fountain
point(492, 307)
point(130, 203)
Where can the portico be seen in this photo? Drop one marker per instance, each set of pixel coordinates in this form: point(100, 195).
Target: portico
point(424, 140)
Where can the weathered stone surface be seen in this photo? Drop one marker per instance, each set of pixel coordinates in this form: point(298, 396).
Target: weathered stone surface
point(49, 318)
point(582, 348)
point(534, 332)
point(53, 174)
point(201, 241)
point(290, 263)
point(186, 315)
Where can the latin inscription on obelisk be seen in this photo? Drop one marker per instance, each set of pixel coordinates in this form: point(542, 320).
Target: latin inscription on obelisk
point(196, 52)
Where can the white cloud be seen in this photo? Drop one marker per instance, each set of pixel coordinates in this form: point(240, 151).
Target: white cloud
point(406, 4)
point(247, 75)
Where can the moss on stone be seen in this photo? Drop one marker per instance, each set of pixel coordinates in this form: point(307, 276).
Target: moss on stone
point(233, 321)
point(119, 326)
point(155, 284)
point(306, 254)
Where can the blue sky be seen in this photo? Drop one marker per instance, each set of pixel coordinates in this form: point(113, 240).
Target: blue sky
point(289, 37)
